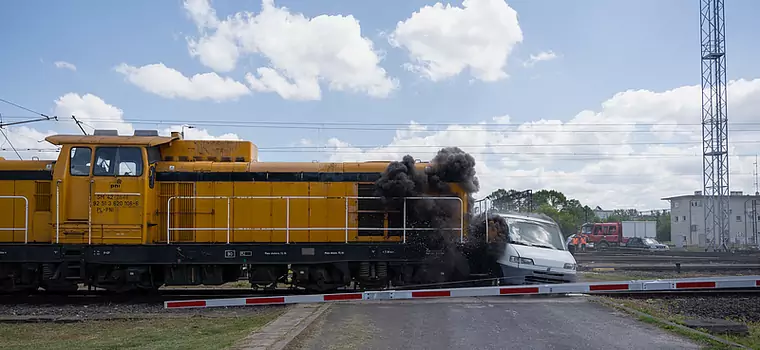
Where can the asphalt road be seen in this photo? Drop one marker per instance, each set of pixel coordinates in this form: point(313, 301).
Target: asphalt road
point(483, 323)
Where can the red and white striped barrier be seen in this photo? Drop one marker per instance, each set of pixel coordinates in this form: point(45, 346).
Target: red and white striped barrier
point(708, 283)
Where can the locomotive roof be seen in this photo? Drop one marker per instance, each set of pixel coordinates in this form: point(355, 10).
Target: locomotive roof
point(119, 140)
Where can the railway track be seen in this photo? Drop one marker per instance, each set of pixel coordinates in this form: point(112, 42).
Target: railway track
point(99, 297)
point(682, 293)
point(84, 297)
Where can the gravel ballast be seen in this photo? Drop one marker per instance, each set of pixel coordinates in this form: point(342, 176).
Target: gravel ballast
point(74, 313)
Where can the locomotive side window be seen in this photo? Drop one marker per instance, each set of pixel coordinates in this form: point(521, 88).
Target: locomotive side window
point(130, 161)
point(154, 155)
point(80, 161)
point(119, 161)
point(105, 159)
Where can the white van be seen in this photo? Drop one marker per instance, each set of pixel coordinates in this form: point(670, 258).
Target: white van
point(535, 251)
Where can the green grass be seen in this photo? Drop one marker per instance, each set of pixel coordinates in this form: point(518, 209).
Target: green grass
point(605, 276)
point(657, 308)
point(192, 332)
point(696, 337)
point(752, 340)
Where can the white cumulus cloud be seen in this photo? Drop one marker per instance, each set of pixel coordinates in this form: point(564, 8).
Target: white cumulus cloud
point(443, 40)
point(169, 83)
point(95, 113)
point(638, 147)
point(302, 52)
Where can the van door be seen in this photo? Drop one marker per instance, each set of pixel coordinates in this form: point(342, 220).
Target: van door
point(119, 178)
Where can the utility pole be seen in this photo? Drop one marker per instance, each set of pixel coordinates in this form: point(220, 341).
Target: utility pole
point(754, 206)
point(757, 190)
point(183, 129)
point(714, 123)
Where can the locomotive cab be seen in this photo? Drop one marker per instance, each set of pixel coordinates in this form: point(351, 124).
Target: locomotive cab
point(104, 187)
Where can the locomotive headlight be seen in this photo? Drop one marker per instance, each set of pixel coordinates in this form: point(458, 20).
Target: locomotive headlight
point(520, 260)
point(569, 266)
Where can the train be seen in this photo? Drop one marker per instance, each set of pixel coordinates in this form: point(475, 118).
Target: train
point(138, 212)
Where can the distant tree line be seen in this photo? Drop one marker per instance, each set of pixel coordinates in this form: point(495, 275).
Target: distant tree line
point(570, 213)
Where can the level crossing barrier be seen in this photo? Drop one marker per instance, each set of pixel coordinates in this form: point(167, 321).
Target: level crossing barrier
point(705, 283)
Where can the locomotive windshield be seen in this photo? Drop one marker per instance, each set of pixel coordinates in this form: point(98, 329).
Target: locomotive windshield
point(535, 234)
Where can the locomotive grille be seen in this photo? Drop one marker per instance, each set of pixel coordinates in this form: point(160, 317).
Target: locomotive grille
point(182, 210)
point(42, 196)
point(187, 209)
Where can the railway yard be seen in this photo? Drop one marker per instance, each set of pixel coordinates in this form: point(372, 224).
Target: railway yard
point(632, 319)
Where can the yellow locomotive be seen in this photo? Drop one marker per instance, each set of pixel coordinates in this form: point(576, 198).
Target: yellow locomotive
point(142, 211)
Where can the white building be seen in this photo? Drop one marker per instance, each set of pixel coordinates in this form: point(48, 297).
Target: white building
point(602, 214)
point(687, 215)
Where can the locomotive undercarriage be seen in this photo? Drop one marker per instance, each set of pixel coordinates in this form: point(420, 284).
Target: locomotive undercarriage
point(131, 269)
point(317, 278)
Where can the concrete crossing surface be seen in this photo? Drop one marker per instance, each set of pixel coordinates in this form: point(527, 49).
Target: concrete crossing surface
point(467, 323)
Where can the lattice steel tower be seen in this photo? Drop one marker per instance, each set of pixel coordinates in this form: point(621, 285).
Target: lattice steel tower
point(714, 123)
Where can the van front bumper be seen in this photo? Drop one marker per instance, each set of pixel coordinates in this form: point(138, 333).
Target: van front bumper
point(516, 276)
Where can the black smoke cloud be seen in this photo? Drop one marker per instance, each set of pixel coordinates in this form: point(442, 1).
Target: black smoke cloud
point(403, 180)
point(481, 252)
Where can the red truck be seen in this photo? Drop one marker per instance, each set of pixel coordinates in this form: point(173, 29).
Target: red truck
point(606, 234)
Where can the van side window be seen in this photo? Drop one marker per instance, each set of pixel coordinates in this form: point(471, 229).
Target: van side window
point(80, 161)
point(118, 161)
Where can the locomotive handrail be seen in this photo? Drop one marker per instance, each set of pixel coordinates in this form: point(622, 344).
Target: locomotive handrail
point(26, 218)
point(57, 210)
point(287, 227)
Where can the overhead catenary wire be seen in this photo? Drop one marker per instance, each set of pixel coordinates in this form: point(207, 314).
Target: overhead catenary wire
point(10, 143)
point(341, 123)
point(533, 128)
point(44, 116)
point(360, 126)
point(495, 127)
point(491, 145)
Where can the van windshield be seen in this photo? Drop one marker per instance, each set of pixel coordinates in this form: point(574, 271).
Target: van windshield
point(535, 234)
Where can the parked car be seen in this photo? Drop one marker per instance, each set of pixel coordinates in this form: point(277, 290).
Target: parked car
point(646, 243)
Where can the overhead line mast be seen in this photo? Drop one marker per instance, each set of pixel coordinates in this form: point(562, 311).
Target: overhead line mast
point(714, 124)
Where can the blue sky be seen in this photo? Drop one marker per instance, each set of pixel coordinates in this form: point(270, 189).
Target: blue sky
point(604, 47)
